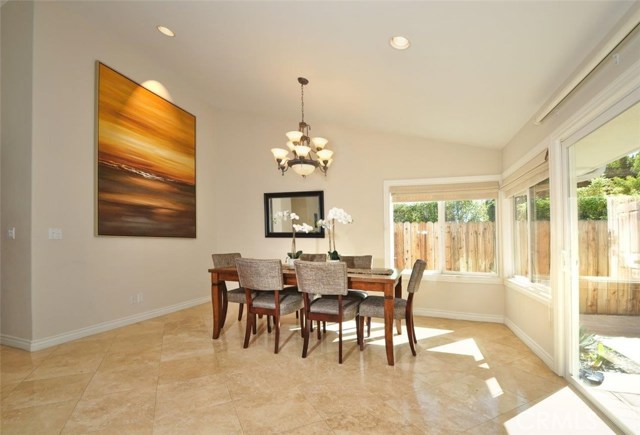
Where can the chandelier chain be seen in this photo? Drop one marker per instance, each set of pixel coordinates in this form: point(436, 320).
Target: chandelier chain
point(302, 99)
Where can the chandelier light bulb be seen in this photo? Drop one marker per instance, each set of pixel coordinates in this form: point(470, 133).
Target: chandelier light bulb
point(319, 142)
point(294, 136)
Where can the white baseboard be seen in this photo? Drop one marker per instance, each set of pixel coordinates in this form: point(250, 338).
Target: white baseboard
point(459, 315)
point(535, 348)
point(43, 343)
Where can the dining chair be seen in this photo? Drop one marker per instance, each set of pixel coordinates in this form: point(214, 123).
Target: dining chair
point(325, 279)
point(235, 295)
point(313, 257)
point(357, 261)
point(264, 277)
point(373, 306)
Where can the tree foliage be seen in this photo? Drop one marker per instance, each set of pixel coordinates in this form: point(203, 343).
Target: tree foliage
point(620, 177)
point(455, 211)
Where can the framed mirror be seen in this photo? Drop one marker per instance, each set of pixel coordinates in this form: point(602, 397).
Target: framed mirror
point(309, 206)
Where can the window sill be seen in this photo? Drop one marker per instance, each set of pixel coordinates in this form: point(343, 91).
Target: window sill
point(460, 278)
point(528, 290)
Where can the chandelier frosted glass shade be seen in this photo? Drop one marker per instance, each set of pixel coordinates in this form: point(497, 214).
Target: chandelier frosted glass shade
point(303, 154)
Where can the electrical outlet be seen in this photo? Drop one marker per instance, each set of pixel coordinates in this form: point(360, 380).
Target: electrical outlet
point(139, 297)
point(132, 299)
point(11, 233)
point(55, 234)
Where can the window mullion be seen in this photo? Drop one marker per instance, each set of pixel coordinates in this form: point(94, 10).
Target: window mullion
point(441, 224)
point(530, 235)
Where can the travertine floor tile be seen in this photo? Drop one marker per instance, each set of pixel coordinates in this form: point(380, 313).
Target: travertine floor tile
point(220, 419)
point(166, 376)
point(36, 420)
point(46, 391)
point(126, 412)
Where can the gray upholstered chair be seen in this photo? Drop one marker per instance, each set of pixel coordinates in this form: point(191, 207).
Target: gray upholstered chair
point(313, 257)
point(357, 261)
point(315, 278)
point(373, 306)
point(235, 295)
point(264, 277)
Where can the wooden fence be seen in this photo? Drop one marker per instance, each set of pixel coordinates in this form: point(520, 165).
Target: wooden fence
point(468, 247)
point(609, 272)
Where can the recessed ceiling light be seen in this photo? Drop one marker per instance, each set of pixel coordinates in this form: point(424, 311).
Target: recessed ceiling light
point(399, 42)
point(165, 31)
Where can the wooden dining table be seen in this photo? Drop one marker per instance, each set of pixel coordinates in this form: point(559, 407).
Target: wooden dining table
point(389, 284)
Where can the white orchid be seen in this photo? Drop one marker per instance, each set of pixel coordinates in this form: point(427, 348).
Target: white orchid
point(341, 216)
point(289, 215)
point(305, 227)
point(285, 215)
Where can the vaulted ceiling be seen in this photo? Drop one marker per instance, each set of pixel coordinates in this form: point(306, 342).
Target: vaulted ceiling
point(475, 73)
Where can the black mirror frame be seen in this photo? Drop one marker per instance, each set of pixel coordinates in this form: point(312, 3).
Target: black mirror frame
point(268, 215)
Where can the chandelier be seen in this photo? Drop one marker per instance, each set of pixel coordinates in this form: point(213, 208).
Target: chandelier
point(307, 153)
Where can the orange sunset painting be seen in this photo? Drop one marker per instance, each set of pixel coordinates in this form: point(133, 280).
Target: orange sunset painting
point(146, 161)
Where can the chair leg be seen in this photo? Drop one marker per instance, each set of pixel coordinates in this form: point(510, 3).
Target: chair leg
point(250, 320)
point(307, 332)
point(254, 324)
point(276, 324)
point(303, 320)
point(413, 328)
point(225, 305)
point(361, 323)
point(368, 327)
point(410, 333)
point(269, 324)
point(240, 312)
point(340, 341)
point(319, 331)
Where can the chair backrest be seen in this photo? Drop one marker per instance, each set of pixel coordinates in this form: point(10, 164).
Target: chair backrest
point(260, 274)
point(357, 261)
point(313, 257)
point(321, 278)
point(225, 260)
point(416, 276)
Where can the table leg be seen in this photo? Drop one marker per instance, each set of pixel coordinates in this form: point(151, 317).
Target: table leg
point(388, 326)
point(398, 291)
point(217, 290)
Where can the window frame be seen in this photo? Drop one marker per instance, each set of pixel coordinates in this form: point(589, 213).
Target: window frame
point(442, 275)
point(521, 282)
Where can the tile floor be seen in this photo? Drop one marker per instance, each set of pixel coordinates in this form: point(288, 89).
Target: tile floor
point(166, 376)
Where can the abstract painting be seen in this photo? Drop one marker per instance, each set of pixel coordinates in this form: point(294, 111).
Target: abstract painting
point(145, 161)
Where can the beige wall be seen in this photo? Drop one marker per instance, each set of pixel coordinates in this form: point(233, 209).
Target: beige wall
point(82, 280)
point(607, 72)
point(16, 63)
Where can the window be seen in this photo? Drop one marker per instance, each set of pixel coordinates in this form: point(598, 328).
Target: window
point(531, 234)
point(528, 192)
point(452, 227)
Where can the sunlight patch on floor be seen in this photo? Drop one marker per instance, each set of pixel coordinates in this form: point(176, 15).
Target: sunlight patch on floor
point(467, 347)
point(422, 333)
point(494, 387)
point(563, 412)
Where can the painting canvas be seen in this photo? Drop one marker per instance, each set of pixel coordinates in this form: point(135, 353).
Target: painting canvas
point(145, 161)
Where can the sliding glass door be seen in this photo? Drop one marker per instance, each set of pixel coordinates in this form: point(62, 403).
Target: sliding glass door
point(604, 265)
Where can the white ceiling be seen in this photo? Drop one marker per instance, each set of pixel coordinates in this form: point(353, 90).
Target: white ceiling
point(476, 71)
